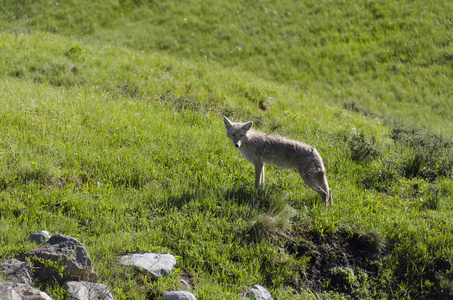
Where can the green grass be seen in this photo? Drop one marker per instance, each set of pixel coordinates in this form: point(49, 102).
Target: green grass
point(111, 131)
point(393, 58)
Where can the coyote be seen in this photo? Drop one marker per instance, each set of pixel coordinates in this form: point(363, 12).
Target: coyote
point(260, 148)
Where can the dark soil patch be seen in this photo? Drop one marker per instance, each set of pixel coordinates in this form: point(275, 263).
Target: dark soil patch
point(343, 261)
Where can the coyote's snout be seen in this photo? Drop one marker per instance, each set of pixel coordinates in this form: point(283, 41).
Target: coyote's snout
point(260, 148)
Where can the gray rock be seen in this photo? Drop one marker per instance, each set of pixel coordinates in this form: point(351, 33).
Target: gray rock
point(17, 271)
point(40, 237)
point(184, 285)
point(84, 290)
point(179, 295)
point(258, 292)
point(66, 252)
point(156, 264)
point(21, 291)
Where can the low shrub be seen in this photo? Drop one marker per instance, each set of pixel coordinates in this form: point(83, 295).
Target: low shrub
point(362, 149)
point(424, 154)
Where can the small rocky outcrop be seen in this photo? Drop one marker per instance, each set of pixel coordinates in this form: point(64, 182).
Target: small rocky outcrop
point(65, 251)
point(179, 295)
point(64, 258)
point(21, 291)
point(17, 271)
point(85, 290)
point(258, 292)
point(156, 264)
point(40, 237)
point(60, 258)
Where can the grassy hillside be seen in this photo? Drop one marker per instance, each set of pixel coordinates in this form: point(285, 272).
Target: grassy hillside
point(111, 131)
point(391, 58)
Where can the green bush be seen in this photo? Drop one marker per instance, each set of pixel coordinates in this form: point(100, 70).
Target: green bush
point(362, 149)
point(423, 154)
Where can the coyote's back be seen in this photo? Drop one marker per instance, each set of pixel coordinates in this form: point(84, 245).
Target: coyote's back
point(260, 148)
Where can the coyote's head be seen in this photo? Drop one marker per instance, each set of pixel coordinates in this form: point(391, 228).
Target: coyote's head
point(236, 131)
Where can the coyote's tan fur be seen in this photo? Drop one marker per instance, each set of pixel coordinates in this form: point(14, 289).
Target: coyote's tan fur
point(261, 148)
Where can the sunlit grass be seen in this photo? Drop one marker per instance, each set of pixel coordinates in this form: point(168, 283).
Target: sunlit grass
point(125, 149)
point(393, 58)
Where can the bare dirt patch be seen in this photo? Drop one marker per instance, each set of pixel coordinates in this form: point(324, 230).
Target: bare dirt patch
point(344, 261)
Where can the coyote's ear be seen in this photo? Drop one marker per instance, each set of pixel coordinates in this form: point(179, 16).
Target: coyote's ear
point(248, 125)
point(227, 122)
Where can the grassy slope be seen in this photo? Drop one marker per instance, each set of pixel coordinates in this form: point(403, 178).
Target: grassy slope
point(91, 140)
point(392, 58)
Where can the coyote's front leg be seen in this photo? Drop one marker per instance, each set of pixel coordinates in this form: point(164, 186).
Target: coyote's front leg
point(259, 175)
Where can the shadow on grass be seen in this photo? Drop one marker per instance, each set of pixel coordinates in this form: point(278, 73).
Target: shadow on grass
point(182, 198)
point(272, 197)
point(272, 200)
